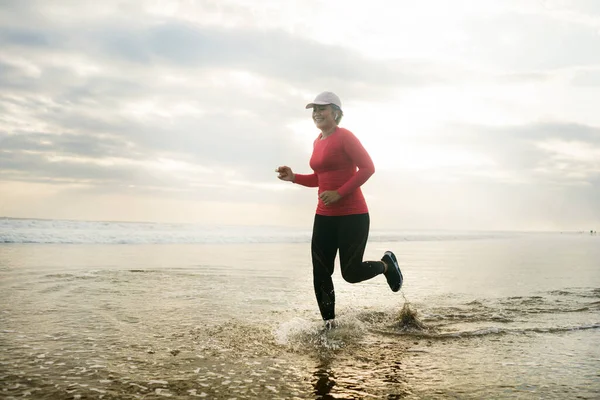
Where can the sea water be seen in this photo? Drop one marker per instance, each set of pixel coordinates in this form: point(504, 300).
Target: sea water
point(116, 311)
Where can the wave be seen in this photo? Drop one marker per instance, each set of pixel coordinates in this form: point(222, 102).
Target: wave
point(32, 231)
point(515, 309)
point(430, 333)
point(28, 231)
point(543, 313)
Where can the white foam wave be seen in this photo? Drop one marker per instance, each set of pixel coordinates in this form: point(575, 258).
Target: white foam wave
point(500, 331)
point(89, 232)
point(95, 232)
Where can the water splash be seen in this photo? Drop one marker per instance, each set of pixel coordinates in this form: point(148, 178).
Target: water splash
point(299, 335)
point(409, 319)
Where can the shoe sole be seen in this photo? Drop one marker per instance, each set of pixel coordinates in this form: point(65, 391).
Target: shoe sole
point(395, 260)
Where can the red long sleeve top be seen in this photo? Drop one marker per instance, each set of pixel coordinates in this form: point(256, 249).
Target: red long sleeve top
point(335, 160)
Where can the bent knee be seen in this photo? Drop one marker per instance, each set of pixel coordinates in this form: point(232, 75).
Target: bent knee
point(351, 278)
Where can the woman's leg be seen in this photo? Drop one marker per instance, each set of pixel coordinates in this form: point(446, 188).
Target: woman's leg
point(353, 233)
point(324, 248)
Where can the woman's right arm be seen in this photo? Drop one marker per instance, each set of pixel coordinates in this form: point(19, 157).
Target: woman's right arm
point(310, 180)
point(286, 174)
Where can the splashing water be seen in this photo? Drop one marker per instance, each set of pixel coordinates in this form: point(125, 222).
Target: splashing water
point(408, 318)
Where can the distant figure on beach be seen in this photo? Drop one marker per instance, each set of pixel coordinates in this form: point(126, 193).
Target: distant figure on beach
point(341, 166)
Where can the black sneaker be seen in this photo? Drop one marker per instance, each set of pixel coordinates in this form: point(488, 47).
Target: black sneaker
point(393, 274)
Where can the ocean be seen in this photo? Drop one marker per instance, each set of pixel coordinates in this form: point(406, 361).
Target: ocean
point(115, 310)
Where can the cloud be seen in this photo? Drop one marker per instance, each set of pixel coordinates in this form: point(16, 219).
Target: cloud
point(539, 153)
point(587, 78)
point(68, 145)
point(272, 53)
point(527, 41)
point(199, 102)
point(144, 91)
point(150, 88)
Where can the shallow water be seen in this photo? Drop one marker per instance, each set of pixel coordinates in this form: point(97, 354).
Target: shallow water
point(512, 316)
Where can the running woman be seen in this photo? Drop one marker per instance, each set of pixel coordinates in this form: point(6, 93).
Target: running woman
point(341, 166)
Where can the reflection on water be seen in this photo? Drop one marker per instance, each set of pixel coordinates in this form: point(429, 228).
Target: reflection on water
point(325, 381)
point(345, 378)
point(361, 365)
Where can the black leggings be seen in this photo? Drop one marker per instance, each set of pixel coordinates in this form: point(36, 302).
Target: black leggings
point(349, 234)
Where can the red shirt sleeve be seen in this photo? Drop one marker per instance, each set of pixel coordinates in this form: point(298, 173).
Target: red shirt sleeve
point(361, 158)
point(309, 180)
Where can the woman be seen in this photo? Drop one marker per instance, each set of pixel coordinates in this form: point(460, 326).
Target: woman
point(341, 166)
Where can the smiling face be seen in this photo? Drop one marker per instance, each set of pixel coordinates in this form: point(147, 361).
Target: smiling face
point(324, 117)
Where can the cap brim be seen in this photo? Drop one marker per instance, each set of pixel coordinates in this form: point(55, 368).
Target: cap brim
point(311, 105)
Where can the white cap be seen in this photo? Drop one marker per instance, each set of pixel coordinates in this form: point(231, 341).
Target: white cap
point(326, 98)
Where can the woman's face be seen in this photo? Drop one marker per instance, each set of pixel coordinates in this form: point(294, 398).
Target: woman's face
point(323, 116)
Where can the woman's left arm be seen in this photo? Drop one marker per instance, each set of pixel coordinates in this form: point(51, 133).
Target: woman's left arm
point(361, 158)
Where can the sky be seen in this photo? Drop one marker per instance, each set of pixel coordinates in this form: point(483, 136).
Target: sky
point(478, 114)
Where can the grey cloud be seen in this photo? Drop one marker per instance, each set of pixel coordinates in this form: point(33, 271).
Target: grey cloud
point(272, 53)
point(275, 54)
point(586, 7)
point(63, 83)
point(524, 77)
point(252, 146)
point(37, 168)
point(68, 145)
point(544, 130)
point(565, 131)
point(8, 74)
point(516, 148)
point(218, 137)
point(483, 200)
point(85, 118)
point(14, 78)
point(587, 78)
point(24, 37)
point(538, 42)
point(130, 179)
point(92, 105)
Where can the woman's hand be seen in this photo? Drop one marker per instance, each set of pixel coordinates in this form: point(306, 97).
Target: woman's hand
point(329, 197)
point(285, 173)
